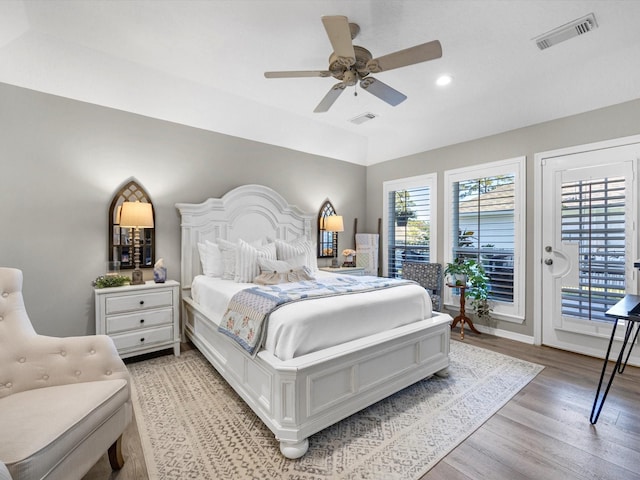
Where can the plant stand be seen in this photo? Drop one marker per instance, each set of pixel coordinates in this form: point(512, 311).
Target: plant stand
point(462, 317)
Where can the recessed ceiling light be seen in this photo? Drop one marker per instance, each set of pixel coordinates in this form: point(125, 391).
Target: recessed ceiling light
point(444, 80)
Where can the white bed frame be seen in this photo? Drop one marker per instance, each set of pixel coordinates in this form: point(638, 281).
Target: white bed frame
point(299, 397)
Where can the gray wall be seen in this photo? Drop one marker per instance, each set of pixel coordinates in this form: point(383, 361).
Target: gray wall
point(607, 123)
point(62, 161)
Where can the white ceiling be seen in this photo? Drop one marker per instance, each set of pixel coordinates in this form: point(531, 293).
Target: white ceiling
point(201, 63)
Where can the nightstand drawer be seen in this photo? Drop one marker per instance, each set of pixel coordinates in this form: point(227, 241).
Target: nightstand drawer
point(139, 320)
point(143, 338)
point(138, 301)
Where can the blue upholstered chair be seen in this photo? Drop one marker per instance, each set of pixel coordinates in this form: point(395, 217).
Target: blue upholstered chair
point(429, 276)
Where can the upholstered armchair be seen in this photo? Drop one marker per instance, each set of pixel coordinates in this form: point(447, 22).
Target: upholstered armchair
point(63, 401)
point(429, 276)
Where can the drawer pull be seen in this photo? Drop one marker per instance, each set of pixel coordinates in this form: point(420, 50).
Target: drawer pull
point(141, 302)
point(142, 339)
point(142, 320)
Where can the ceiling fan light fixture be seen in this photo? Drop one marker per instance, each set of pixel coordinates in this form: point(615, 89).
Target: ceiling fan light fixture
point(351, 64)
point(444, 80)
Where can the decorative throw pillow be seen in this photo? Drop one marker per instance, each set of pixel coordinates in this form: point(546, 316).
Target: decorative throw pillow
point(279, 266)
point(247, 255)
point(287, 250)
point(274, 278)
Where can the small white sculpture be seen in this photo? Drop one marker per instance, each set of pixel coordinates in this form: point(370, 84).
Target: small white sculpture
point(159, 271)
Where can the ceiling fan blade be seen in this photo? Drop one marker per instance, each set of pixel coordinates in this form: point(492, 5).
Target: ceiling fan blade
point(409, 56)
point(330, 98)
point(293, 74)
point(339, 33)
point(383, 91)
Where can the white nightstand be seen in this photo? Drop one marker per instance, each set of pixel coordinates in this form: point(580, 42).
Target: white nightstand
point(140, 318)
point(359, 271)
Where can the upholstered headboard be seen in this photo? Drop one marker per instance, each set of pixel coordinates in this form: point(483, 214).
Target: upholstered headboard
point(249, 212)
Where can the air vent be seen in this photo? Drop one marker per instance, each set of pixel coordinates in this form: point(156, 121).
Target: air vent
point(365, 117)
point(565, 32)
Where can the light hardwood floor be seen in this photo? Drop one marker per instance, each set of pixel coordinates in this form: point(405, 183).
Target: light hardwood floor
point(542, 433)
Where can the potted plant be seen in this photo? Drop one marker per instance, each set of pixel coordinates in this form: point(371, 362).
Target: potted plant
point(458, 272)
point(471, 274)
point(402, 211)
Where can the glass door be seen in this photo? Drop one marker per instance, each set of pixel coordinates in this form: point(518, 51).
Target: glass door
point(590, 244)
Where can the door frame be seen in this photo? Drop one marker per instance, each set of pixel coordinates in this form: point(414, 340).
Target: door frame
point(539, 161)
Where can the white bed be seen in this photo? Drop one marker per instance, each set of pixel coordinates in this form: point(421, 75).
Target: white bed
point(299, 389)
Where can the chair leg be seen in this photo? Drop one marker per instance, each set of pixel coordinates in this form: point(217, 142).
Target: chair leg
point(115, 454)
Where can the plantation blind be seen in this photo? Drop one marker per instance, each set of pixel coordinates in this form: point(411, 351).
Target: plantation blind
point(593, 217)
point(483, 229)
point(409, 227)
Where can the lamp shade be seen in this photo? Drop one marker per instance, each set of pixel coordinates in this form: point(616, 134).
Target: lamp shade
point(136, 214)
point(334, 223)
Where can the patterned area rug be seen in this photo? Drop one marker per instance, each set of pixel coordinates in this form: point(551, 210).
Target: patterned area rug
point(193, 425)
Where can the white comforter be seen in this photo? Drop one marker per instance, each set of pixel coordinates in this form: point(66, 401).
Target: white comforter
point(310, 325)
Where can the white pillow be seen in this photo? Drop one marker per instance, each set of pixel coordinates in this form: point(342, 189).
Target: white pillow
point(202, 252)
point(228, 250)
point(246, 257)
point(211, 259)
point(287, 250)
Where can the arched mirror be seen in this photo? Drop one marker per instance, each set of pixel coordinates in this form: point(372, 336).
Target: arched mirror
point(327, 241)
point(121, 240)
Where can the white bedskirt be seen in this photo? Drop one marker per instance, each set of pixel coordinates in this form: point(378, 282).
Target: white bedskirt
point(307, 326)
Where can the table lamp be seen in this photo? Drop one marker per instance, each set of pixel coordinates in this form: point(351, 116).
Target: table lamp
point(334, 223)
point(136, 215)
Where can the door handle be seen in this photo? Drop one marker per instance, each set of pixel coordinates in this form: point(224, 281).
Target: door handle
point(548, 261)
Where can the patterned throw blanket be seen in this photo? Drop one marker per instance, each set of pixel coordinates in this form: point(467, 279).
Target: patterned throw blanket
point(248, 310)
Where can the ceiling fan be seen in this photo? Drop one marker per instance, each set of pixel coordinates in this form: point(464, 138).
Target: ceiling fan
point(350, 63)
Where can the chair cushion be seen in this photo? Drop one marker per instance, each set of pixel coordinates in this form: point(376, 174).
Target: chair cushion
point(39, 427)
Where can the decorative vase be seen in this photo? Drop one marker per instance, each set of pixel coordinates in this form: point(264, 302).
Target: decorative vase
point(460, 279)
point(159, 274)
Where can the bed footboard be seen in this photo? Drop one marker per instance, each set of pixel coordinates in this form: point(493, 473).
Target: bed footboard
point(299, 397)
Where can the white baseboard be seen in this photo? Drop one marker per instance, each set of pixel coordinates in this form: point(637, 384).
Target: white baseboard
point(506, 334)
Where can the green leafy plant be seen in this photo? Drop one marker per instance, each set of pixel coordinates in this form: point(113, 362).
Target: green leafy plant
point(476, 282)
point(458, 272)
point(106, 281)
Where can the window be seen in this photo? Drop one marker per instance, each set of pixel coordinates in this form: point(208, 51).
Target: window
point(409, 216)
point(485, 222)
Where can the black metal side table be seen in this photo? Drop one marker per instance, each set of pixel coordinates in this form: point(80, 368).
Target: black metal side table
point(627, 309)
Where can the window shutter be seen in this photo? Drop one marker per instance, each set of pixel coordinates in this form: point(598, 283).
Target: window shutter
point(593, 217)
point(483, 227)
point(409, 227)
